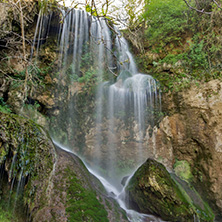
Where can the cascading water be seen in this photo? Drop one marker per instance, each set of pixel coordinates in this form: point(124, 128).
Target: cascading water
point(132, 215)
point(114, 142)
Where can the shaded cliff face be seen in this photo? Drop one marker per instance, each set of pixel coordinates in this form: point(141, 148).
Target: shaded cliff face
point(192, 132)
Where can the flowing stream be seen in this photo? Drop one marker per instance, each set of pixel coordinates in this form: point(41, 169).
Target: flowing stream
point(133, 216)
point(125, 101)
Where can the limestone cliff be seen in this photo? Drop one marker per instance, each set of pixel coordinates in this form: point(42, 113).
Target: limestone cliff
point(192, 131)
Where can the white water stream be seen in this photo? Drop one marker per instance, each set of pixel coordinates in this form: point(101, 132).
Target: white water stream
point(119, 196)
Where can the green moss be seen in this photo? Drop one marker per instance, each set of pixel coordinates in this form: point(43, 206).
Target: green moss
point(27, 150)
point(6, 216)
point(204, 213)
point(4, 108)
point(154, 191)
point(183, 170)
point(82, 204)
point(108, 204)
point(158, 186)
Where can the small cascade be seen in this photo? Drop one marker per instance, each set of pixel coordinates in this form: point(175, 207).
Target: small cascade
point(20, 187)
point(41, 32)
point(83, 37)
point(73, 39)
point(125, 57)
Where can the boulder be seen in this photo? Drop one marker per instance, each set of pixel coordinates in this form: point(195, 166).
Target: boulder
point(152, 190)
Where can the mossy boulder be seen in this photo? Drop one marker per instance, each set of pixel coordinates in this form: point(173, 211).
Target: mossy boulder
point(152, 190)
point(76, 195)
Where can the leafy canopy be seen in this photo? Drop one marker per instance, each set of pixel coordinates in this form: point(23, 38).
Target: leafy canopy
point(165, 19)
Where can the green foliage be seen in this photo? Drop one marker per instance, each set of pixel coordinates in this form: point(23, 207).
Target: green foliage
point(183, 170)
point(171, 59)
point(174, 81)
point(45, 5)
point(91, 10)
point(100, 11)
point(4, 108)
point(196, 57)
point(82, 203)
point(6, 216)
point(88, 76)
point(165, 20)
point(186, 45)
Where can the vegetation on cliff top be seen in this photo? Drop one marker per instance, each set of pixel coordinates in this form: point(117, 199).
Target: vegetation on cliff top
point(179, 44)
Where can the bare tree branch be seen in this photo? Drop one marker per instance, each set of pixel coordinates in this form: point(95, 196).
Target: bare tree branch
point(219, 6)
point(201, 11)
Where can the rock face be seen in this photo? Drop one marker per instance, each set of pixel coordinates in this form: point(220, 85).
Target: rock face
point(10, 17)
point(54, 185)
point(152, 190)
point(192, 132)
point(6, 19)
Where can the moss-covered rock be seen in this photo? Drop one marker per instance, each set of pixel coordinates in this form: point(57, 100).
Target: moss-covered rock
point(76, 195)
point(27, 156)
point(183, 170)
point(152, 190)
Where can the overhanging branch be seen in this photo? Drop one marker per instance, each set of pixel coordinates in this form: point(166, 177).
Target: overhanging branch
point(201, 11)
point(219, 6)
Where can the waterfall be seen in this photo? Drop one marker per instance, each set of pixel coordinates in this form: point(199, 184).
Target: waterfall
point(110, 132)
